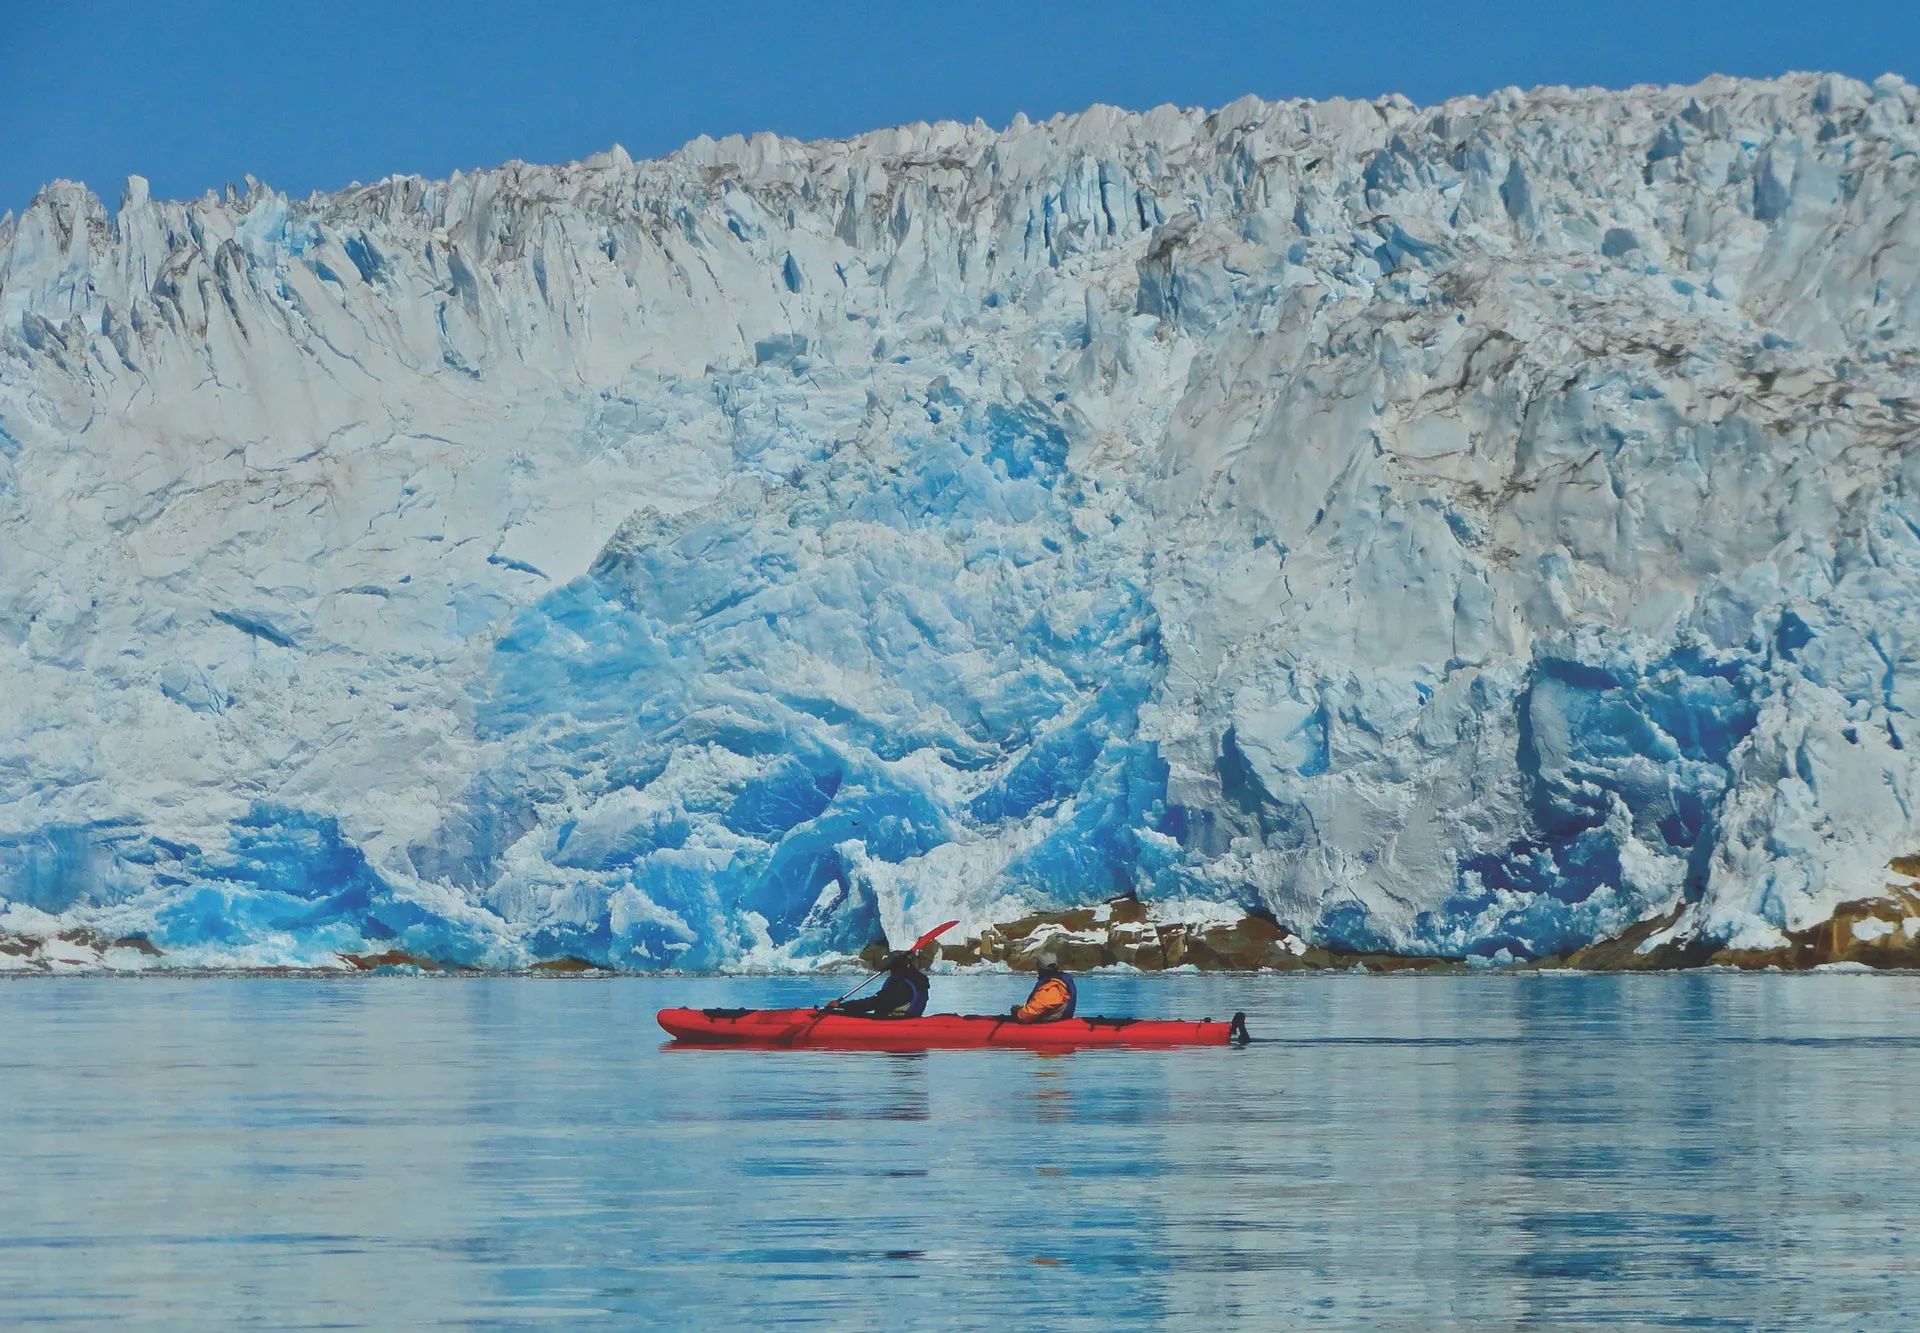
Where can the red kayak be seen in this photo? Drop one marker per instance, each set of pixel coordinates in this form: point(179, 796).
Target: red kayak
point(815, 1027)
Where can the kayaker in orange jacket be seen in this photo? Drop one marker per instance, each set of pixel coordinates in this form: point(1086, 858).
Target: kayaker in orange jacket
point(1053, 995)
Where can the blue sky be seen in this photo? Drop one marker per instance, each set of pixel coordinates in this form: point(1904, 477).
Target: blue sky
point(193, 93)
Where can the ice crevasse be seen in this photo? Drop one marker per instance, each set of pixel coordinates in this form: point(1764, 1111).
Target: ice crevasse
point(1468, 530)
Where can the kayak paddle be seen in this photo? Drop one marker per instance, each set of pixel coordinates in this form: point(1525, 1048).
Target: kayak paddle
point(918, 945)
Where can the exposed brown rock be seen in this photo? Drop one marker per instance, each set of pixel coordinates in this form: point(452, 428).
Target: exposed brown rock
point(568, 966)
point(1623, 953)
point(1832, 941)
point(1122, 931)
point(32, 947)
point(367, 962)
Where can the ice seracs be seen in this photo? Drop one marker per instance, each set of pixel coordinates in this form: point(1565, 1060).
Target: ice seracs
point(1469, 530)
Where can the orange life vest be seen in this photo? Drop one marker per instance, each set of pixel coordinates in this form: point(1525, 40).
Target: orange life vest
point(1049, 1000)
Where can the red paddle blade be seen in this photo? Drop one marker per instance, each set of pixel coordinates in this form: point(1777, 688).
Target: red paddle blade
point(932, 935)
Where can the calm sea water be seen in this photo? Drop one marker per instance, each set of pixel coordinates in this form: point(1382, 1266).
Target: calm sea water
point(1406, 1152)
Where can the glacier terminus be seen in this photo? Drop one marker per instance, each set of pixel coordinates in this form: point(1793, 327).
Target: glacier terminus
point(1479, 531)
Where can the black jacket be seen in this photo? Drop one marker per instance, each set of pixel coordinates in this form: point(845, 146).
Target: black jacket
point(904, 995)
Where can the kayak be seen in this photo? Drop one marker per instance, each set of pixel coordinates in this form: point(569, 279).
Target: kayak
point(815, 1027)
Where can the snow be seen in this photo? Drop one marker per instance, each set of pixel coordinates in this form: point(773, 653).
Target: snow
point(1469, 529)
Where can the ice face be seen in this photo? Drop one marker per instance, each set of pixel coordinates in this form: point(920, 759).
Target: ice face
point(751, 710)
point(1463, 530)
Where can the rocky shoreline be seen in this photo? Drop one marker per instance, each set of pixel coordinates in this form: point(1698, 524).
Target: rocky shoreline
point(1126, 932)
point(1880, 933)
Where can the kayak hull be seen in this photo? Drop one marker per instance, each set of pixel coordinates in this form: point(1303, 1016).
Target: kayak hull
point(812, 1027)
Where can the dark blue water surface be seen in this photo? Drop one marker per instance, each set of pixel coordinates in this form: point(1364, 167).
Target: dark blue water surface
point(1406, 1152)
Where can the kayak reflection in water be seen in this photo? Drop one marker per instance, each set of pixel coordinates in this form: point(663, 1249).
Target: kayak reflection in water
point(1053, 995)
point(903, 996)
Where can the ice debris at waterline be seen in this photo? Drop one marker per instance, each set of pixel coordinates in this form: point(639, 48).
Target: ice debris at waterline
point(1472, 531)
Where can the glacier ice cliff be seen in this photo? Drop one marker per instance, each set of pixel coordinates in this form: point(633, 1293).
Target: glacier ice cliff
point(1468, 530)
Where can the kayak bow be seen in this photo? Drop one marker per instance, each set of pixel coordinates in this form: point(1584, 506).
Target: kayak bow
point(814, 1027)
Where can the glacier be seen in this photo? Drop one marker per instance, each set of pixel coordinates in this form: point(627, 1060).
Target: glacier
point(1473, 530)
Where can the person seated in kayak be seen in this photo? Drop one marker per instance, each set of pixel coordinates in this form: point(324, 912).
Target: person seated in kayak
point(903, 995)
point(1053, 995)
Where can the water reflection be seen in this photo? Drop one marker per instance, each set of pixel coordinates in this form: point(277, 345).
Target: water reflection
point(1541, 1150)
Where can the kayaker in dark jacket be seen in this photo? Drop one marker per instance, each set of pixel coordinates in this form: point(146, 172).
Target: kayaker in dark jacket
point(1053, 995)
point(902, 995)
